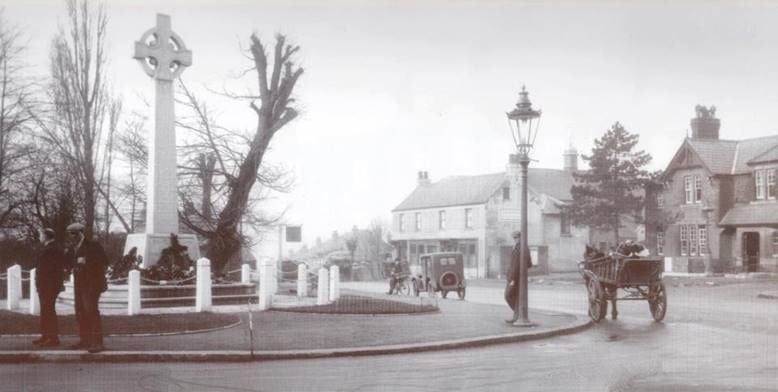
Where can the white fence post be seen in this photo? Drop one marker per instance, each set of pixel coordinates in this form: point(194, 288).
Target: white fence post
point(265, 285)
point(35, 306)
point(334, 283)
point(302, 280)
point(14, 289)
point(133, 293)
point(245, 274)
point(203, 300)
point(322, 294)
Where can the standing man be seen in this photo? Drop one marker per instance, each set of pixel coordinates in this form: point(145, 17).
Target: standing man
point(395, 276)
point(514, 275)
point(88, 262)
point(49, 268)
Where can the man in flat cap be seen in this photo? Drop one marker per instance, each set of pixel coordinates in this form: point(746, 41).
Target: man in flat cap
point(49, 264)
point(88, 261)
point(514, 274)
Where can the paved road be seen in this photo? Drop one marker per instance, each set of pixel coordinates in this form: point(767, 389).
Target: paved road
point(714, 339)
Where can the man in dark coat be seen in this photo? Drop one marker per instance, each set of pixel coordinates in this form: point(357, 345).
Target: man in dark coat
point(88, 260)
point(394, 279)
point(514, 273)
point(49, 268)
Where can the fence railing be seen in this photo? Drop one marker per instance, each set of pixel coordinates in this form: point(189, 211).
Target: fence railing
point(324, 284)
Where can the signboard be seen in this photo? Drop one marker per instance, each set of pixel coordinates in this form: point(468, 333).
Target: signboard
point(294, 234)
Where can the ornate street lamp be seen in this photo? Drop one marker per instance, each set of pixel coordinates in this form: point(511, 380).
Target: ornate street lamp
point(523, 122)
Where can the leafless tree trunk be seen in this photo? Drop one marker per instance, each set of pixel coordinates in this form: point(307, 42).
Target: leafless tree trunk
point(16, 101)
point(81, 100)
point(273, 113)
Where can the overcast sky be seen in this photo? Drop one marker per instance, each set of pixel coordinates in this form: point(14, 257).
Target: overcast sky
point(394, 87)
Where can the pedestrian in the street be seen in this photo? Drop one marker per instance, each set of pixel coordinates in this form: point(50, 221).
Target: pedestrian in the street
point(514, 274)
point(49, 267)
point(396, 273)
point(88, 261)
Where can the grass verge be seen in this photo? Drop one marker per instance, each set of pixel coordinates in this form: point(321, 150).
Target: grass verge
point(12, 323)
point(356, 304)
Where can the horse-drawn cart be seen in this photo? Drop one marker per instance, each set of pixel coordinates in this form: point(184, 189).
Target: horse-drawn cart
point(639, 277)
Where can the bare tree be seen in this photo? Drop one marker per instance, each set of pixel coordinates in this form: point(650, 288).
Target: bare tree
point(16, 102)
point(213, 156)
point(233, 161)
point(80, 99)
point(132, 146)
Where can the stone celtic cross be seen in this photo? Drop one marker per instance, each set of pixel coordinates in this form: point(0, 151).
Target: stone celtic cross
point(163, 56)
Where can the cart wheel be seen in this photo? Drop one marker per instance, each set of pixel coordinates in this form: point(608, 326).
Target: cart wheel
point(596, 300)
point(444, 293)
point(657, 300)
point(461, 293)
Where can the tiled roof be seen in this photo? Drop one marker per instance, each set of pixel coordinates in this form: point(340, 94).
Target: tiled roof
point(469, 190)
point(453, 191)
point(732, 156)
point(755, 214)
point(768, 156)
point(751, 148)
point(717, 155)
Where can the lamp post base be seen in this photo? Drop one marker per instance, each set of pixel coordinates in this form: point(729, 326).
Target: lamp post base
point(523, 324)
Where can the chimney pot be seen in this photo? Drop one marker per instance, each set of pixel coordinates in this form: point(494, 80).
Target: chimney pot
point(705, 125)
point(423, 178)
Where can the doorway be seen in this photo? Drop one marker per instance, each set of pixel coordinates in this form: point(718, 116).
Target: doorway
point(751, 251)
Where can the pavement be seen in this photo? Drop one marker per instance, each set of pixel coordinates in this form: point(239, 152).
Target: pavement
point(281, 334)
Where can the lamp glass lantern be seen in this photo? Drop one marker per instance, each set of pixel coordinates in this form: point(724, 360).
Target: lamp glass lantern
point(524, 122)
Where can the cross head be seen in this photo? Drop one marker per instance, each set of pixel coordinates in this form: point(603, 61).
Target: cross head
point(166, 56)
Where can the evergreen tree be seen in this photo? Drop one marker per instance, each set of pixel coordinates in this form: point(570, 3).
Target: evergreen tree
point(613, 187)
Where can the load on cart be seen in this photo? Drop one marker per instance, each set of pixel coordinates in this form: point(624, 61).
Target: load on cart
point(638, 277)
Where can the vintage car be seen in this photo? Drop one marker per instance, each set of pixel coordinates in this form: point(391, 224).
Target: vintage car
point(443, 272)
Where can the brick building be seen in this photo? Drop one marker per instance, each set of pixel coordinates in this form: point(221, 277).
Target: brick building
point(477, 214)
point(721, 195)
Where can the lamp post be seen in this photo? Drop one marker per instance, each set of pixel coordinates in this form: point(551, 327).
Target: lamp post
point(523, 122)
point(706, 210)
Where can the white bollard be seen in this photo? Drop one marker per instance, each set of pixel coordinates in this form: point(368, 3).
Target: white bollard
point(334, 283)
point(322, 295)
point(273, 269)
point(14, 289)
point(245, 274)
point(203, 300)
point(265, 285)
point(133, 293)
point(302, 280)
point(35, 306)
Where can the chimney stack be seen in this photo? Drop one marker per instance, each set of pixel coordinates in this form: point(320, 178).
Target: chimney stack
point(513, 169)
point(423, 178)
point(705, 125)
point(570, 156)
